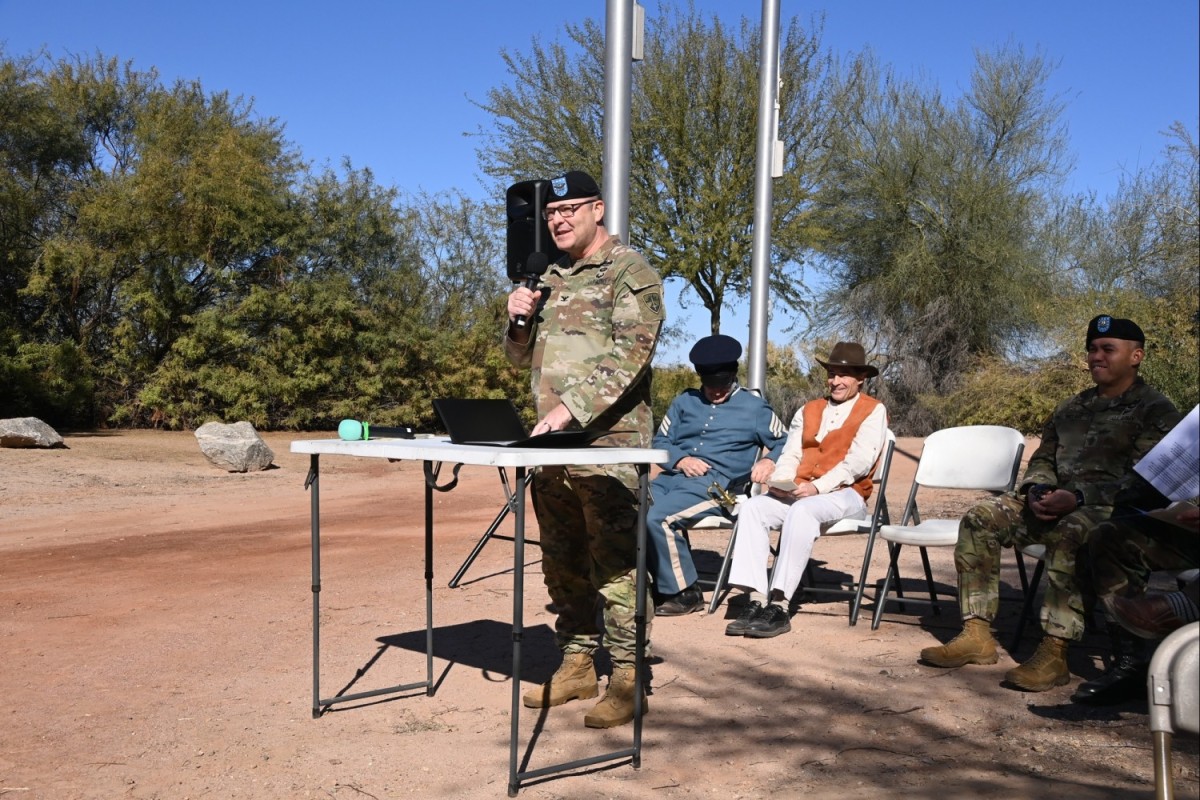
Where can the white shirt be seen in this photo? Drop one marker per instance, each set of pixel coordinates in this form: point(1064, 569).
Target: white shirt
point(863, 453)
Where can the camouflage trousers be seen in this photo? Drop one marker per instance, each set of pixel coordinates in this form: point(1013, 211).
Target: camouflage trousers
point(1004, 521)
point(1123, 551)
point(588, 532)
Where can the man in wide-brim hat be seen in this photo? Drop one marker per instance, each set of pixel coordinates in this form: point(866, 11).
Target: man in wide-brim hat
point(851, 356)
point(825, 474)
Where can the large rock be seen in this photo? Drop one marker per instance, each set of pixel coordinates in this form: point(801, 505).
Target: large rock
point(235, 448)
point(28, 432)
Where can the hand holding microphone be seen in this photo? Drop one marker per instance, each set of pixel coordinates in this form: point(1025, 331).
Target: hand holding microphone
point(535, 268)
point(351, 430)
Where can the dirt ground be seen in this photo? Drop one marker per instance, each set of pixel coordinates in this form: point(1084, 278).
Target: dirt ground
point(156, 642)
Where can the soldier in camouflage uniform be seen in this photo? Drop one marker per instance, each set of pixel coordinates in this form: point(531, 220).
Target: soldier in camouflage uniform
point(1089, 446)
point(591, 333)
point(1121, 554)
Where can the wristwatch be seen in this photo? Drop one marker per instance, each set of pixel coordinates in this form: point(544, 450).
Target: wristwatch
point(1078, 498)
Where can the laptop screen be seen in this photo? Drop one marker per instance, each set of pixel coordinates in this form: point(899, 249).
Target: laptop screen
point(480, 420)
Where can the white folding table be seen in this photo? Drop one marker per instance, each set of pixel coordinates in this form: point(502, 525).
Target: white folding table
point(433, 452)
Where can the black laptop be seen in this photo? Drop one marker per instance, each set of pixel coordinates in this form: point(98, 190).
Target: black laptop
point(497, 423)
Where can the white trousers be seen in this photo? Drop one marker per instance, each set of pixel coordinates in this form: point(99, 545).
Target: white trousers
point(800, 524)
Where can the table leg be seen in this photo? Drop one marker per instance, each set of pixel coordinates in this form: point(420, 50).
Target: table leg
point(518, 625)
point(489, 534)
point(313, 484)
point(633, 753)
point(428, 467)
point(639, 616)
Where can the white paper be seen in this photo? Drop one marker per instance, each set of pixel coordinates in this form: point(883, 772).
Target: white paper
point(1173, 465)
point(1172, 514)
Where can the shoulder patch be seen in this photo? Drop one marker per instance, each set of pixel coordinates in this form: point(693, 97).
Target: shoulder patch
point(651, 301)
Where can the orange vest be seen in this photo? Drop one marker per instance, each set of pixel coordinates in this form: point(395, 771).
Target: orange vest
point(817, 458)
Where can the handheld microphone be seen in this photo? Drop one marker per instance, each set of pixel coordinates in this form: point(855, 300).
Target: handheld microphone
point(351, 430)
point(535, 268)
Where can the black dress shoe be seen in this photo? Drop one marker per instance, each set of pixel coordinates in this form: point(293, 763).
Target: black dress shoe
point(1124, 681)
point(685, 602)
point(771, 621)
point(739, 625)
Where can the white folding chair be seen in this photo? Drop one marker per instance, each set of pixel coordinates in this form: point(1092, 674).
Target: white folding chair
point(978, 457)
point(868, 525)
point(1173, 685)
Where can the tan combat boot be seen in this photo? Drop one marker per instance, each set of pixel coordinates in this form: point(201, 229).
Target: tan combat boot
point(1045, 669)
point(575, 679)
point(616, 708)
point(975, 645)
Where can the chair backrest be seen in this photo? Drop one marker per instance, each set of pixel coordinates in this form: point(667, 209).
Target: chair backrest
point(1174, 682)
point(879, 510)
point(985, 457)
point(879, 515)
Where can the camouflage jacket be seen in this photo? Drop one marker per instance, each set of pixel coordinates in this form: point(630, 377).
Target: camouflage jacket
point(592, 340)
point(1090, 443)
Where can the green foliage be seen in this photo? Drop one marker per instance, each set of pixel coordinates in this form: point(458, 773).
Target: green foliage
point(930, 206)
point(997, 392)
point(787, 387)
point(166, 257)
point(1138, 256)
point(54, 379)
point(692, 162)
point(1172, 353)
point(669, 383)
point(168, 260)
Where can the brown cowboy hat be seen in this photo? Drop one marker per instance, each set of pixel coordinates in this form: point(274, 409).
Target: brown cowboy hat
point(849, 354)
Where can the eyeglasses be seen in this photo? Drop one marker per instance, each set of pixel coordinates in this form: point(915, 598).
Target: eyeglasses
point(565, 211)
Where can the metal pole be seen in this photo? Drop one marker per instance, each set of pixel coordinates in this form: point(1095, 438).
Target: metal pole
point(760, 260)
point(618, 82)
point(313, 484)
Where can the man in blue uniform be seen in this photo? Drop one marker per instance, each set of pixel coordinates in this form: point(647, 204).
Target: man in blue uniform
point(714, 434)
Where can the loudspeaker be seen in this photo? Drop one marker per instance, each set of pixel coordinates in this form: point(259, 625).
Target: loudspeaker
point(527, 231)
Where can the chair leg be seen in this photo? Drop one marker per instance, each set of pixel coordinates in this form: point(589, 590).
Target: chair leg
point(1021, 571)
point(856, 606)
point(933, 598)
point(1030, 588)
point(894, 550)
point(1164, 785)
point(723, 575)
point(806, 580)
point(881, 600)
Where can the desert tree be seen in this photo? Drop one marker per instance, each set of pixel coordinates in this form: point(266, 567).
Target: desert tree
point(934, 208)
point(693, 143)
point(1137, 254)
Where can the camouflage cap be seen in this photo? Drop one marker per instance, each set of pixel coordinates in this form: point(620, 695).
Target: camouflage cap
point(1106, 327)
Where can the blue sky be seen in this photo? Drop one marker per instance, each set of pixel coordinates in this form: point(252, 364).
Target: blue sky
point(389, 84)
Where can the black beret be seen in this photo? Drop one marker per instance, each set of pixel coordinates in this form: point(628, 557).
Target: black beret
point(718, 353)
point(1106, 327)
point(574, 185)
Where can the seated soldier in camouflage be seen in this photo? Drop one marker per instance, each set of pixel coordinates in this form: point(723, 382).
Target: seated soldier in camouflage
point(1089, 446)
point(1122, 552)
